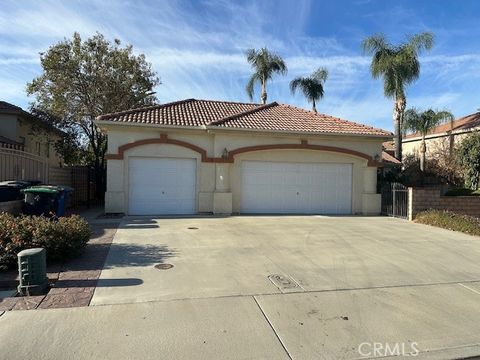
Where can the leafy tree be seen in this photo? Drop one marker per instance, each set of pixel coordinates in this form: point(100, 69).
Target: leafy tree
point(311, 86)
point(399, 66)
point(72, 145)
point(264, 64)
point(469, 158)
point(424, 122)
point(84, 79)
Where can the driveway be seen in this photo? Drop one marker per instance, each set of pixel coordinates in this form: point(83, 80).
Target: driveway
point(215, 257)
point(298, 287)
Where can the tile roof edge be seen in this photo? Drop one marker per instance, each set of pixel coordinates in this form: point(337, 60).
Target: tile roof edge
point(455, 127)
point(338, 119)
point(244, 113)
point(151, 107)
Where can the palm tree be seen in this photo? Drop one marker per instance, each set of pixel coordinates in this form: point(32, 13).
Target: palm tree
point(399, 66)
point(451, 138)
point(423, 122)
point(265, 64)
point(312, 86)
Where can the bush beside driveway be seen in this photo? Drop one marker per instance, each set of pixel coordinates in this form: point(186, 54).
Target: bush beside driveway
point(72, 282)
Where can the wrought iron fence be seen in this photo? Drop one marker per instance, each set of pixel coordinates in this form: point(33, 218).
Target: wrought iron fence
point(395, 200)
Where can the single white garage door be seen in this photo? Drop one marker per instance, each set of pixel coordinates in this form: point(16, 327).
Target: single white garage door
point(301, 188)
point(161, 186)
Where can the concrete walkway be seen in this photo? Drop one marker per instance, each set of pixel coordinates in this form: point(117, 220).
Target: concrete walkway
point(268, 288)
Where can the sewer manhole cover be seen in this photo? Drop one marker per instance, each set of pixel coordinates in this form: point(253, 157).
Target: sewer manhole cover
point(163, 266)
point(192, 228)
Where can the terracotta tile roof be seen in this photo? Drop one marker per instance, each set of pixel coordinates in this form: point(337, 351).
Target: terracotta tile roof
point(222, 114)
point(388, 146)
point(388, 158)
point(465, 123)
point(188, 112)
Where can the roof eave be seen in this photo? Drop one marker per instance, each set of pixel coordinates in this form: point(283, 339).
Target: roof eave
point(315, 133)
point(158, 126)
point(439, 135)
point(218, 128)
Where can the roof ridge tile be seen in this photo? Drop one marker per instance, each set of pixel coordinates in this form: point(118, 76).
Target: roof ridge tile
point(244, 113)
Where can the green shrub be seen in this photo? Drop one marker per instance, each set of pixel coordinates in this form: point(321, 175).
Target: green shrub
point(62, 238)
point(451, 221)
point(462, 192)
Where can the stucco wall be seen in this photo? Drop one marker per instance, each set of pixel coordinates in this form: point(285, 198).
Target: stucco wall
point(434, 144)
point(218, 184)
point(45, 139)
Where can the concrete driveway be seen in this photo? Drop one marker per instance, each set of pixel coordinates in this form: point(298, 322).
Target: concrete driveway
point(298, 287)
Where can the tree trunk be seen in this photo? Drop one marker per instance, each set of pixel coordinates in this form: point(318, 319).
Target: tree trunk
point(264, 91)
point(314, 108)
point(423, 151)
point(398, 110)
point(451, 140)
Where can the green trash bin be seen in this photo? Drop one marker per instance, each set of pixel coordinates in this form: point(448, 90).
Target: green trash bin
point(32, 270)
point(46, 200)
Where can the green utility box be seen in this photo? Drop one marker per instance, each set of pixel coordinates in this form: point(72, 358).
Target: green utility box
point(32, 268)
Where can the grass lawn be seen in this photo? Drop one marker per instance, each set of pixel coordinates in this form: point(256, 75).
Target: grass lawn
point(462, 192)
point(451, 221)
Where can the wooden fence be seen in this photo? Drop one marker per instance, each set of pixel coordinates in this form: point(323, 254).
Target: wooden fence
point(20, 165)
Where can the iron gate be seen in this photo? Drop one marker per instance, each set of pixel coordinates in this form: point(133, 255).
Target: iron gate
point(395, 200)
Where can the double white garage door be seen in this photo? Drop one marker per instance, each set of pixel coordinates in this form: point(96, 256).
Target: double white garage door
point(168, 186)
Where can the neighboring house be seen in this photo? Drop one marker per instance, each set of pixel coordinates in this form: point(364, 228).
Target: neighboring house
point(21, 130)
point(388, 156)
point(202, 156)
point(438, 140)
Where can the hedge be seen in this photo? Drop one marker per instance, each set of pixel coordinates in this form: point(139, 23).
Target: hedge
point(62, 238)
point(449, 220)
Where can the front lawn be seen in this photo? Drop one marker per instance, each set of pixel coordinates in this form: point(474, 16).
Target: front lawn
point(462, 192)
point(451, 221)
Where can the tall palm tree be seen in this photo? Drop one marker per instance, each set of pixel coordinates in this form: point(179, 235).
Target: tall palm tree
point(399, 66)
point(423, 122)
point(311, 86)
point(451, 138)
point(264, 64)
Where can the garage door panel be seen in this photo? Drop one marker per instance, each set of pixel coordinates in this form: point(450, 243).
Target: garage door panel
point(162, 186)
point(275, 187)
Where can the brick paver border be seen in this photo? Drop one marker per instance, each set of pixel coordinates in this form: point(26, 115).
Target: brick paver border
point(72, 283)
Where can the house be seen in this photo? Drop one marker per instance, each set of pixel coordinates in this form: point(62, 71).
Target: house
point(388, 156)
point(22, 131)
point(438, 139)
point(202, 156)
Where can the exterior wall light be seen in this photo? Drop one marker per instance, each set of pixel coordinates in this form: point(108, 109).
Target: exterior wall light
point(225, 154)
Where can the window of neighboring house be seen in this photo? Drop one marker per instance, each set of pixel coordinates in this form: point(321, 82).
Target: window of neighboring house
point(21, 140)
point(38, 148)
point(47, 150)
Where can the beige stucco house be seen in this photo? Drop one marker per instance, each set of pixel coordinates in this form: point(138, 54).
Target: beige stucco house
point(21, 130)
point(438, 140)
point(202, 156)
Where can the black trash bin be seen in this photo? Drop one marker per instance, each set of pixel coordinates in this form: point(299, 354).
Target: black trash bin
point(11, 190)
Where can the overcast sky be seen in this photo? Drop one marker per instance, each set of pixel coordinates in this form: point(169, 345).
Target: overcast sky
point(198, 47)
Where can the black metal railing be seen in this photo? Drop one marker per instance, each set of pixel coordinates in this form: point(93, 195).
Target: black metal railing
point(395, 200)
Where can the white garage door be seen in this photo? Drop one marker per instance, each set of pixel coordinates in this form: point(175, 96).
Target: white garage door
point(161, 186)
point(289, 188)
